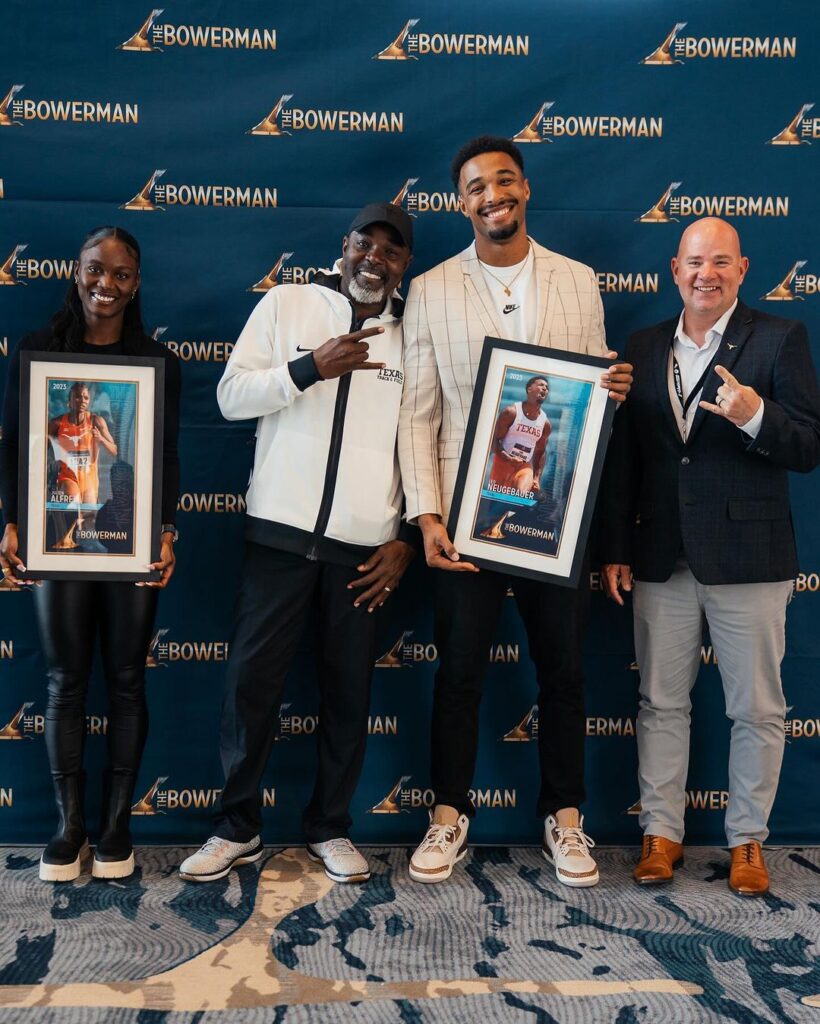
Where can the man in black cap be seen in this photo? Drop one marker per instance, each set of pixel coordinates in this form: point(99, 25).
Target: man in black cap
point(319, 366)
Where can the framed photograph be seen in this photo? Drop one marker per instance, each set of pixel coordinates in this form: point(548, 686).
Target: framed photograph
point(532, 460)
point(90, 465)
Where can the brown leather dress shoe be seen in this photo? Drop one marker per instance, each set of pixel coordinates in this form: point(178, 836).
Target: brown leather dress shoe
point(748, 875)
point(659, 858)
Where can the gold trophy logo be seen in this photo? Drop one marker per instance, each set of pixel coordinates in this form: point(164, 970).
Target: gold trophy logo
point(151, 660)
point(401, 195)
point(269, 280)
point(526, 730)
point(783, 292)
point(495, 532)
point(7, 269)
point(282, 709)
point(67, 542)
point(790, 136)
point(11, 730)
point(393, 658)
point(6, 119)
point(531, 132)
point(663, 54)
point(396, 51)
point(142, 200)
point(140, 41)
point(146, 804)
point(269, 125)
point(657, 214)
point(390, 804)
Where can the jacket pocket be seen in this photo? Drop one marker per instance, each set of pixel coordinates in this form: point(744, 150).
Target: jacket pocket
point(449, 449)
point(758, 508)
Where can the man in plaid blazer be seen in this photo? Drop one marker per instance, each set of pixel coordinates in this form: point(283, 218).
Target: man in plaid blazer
point(696, 507)
point(503, 285)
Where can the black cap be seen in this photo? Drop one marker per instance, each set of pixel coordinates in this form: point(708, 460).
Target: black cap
point(385, 213)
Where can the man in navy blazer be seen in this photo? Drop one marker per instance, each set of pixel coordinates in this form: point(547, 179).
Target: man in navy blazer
point(696, 522)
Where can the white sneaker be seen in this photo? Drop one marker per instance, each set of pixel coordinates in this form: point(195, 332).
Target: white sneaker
point(342, 861)
point(215, 858)
point(568, 850)
point(441, 849)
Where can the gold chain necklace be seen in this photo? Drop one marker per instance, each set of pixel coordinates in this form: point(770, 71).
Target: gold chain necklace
point(507, 287)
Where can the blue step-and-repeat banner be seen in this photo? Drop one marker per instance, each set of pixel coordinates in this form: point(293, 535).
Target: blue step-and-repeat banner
point(235, 140)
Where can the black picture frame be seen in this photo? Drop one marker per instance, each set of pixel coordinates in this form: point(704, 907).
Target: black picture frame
point(114, 453)
point(548, 537)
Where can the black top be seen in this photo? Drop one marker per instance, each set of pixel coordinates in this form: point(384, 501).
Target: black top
point(41, 341)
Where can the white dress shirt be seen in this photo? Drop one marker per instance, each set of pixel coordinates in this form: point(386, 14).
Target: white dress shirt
point(692, 361)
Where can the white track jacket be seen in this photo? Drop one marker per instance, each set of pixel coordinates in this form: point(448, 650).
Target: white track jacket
point(325, 480)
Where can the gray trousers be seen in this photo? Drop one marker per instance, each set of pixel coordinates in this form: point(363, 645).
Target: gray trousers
point(747, 625)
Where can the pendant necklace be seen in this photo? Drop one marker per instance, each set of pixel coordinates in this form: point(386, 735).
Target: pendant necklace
point(507, 287)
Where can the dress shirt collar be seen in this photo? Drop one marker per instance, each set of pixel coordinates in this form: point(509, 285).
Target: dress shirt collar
point(713, 335)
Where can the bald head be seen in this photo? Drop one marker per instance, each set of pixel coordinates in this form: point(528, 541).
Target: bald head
point(708, 270)
point(710, 229)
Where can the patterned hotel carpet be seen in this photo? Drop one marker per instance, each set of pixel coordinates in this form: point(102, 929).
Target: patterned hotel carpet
point(502, 942)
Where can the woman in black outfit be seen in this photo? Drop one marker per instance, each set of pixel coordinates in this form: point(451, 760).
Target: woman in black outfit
point(101, 314)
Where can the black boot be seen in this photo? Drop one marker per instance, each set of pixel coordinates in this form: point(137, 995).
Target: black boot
point(68, 847)
point(114, 856)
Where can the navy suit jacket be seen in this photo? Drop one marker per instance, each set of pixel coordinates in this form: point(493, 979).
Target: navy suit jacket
point(721, 499)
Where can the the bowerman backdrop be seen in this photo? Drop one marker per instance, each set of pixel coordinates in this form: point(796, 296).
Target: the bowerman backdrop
point(235, 140)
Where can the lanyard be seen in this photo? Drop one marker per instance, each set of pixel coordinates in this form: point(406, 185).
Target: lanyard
point(678, 382)
point(686, 403)
point(676, 377)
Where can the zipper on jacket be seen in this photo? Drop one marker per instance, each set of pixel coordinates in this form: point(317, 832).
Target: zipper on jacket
point(334, 450)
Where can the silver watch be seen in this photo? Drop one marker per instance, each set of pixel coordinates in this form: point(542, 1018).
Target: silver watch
point(170, 528)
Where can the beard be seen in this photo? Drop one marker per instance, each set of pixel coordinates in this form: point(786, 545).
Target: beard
point(364, 295)
point(502, 234)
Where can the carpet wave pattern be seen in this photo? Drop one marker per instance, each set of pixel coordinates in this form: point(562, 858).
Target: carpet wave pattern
point(502, 941)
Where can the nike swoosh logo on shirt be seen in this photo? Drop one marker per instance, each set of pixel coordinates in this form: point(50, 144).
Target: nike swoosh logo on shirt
point(509, 308)
point(300, 349)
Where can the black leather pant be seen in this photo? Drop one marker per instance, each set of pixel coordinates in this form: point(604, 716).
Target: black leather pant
point(70, 614)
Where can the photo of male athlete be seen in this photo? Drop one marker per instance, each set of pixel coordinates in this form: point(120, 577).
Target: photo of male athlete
point(77, 436)
point(520, 442)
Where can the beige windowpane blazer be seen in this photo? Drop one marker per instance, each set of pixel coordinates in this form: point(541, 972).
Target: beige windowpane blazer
point(448, 314)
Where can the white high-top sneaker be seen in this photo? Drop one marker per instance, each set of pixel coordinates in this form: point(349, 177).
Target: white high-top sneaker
point(441, 849)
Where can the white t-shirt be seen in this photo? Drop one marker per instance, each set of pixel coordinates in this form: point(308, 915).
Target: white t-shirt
point(517, 312)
